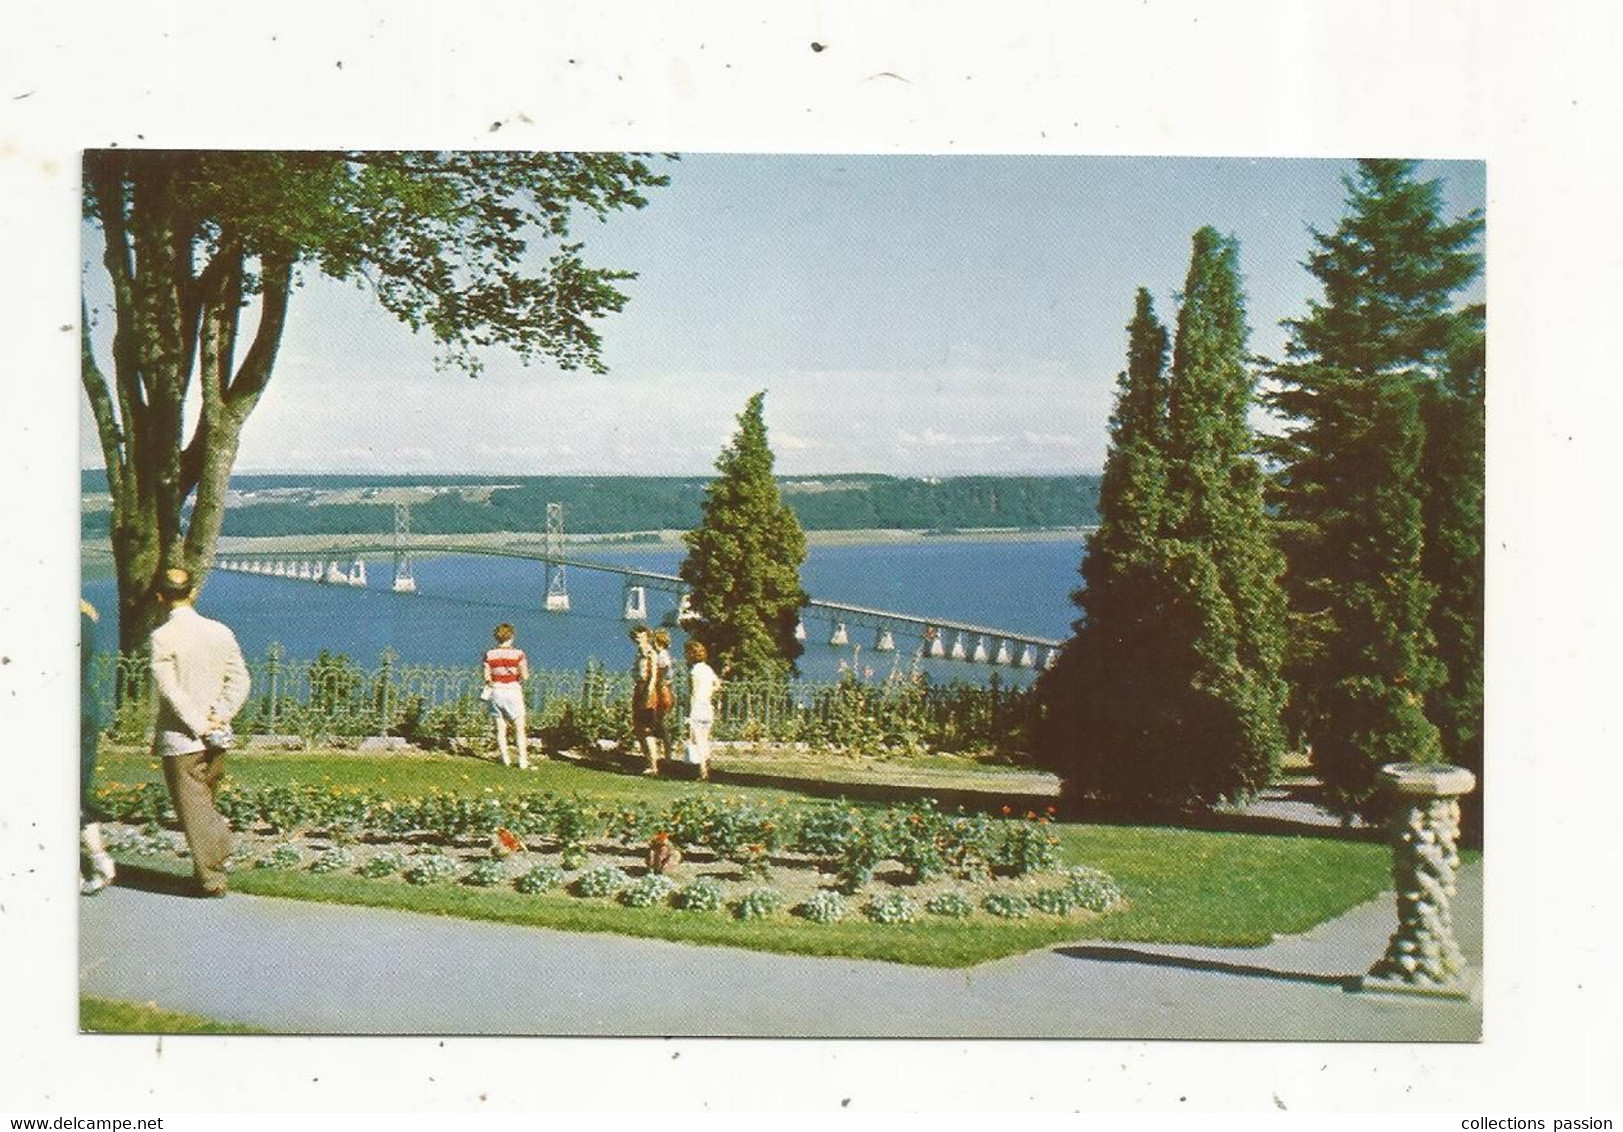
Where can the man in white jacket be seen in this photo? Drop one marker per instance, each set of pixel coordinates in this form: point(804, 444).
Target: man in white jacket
point(201, 682)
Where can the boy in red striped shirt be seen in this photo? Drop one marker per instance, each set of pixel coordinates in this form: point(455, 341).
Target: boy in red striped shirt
point(506, 669)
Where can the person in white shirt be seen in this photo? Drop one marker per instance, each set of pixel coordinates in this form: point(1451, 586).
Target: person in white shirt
point(701, 705)
point(200, 682)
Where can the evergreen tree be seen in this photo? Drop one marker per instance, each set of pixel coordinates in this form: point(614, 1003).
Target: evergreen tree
point(1097, 731)
point(1452, 558)
point(743, 560)
point(1170, 689)
point(1364, 370)
point(1230, 618)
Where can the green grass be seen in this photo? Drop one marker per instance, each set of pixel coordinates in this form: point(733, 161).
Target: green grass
point(109, 1016)
point(1183, 886)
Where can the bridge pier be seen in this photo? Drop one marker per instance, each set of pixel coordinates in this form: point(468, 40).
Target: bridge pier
point(1051, 659)
point(1003, 656)
point(979, 655)
point(883, 641)
point(357, 573)
point(938, 647)
point(1028, 658)
point(839, 636)
point(800, 630)
point(636, 603)
point(958, 650)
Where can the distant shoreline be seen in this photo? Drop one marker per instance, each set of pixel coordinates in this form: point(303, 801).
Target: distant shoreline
point(94, 549)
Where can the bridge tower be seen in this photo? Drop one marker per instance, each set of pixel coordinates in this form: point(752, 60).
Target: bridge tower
point(557, 600)
point(404, 583)
point(636, 604)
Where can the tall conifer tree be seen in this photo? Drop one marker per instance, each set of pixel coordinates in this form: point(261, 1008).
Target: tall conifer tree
point(1233, 610)
point(1098, 732)
point(1364, 370)
point(1170, 690)
point(744, 559)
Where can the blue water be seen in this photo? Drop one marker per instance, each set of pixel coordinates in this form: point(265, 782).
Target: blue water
point(1017, 586)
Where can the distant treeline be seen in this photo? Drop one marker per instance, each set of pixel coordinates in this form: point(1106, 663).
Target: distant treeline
point(618, 504)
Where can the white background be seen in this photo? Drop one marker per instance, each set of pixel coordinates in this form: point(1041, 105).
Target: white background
point(1533, 92)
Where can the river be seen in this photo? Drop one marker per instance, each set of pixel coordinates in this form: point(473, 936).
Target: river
point(1019, 585)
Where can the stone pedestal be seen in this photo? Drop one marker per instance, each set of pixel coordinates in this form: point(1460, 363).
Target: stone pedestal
point(1423, 956)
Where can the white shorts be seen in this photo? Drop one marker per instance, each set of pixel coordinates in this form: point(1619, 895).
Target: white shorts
point(507, 702)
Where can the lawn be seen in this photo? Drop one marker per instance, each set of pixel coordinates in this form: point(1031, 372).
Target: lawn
point(1182, 886)
point(109, 1016)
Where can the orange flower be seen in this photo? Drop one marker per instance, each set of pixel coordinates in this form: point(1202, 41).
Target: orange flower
point(1007, 811)
point(509, 840)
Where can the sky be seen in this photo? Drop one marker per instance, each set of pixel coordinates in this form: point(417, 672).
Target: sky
point(910, 315)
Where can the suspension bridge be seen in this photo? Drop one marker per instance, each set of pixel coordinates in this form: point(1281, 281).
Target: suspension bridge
point(940, 637)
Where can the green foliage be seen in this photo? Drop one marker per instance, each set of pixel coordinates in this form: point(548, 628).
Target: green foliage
point(635, 505)
point(539, 879)
point(1028, 847)
point(284, 856)
point(486, 874)
point(703, 895)
point(892, 908)
point(868, 845)
point(605, 880)
point(384, 864)
point(953, 905)
point(758, 904)
point(743, 561)
point(1170, 690)
point(1007, 905)
point(1378, 513)
point(1454, 466)
point(1093, 889)
point(821, 907)
point(333, 860)
point(431, 868)
point(472, 248)
point(647, 891)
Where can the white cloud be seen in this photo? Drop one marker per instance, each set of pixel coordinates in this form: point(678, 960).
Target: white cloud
point(930, 438)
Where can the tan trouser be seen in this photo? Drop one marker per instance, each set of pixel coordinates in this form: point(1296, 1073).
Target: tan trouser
point(193, 781)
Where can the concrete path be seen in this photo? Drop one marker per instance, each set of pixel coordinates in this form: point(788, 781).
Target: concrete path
point(292, 966)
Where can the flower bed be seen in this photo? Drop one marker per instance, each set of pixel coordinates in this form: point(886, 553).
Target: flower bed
point(892, 865)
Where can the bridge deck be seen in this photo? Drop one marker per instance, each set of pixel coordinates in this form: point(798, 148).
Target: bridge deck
point(826, 610)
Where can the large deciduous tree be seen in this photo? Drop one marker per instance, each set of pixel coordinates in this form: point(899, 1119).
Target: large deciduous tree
point(1371, 532)
point(744, 559)
point(473, 248)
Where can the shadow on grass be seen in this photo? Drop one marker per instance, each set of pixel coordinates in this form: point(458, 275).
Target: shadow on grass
point(1205, 966)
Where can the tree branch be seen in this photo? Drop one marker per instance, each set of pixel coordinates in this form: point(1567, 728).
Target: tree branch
point(101, 407)
point(276, 270)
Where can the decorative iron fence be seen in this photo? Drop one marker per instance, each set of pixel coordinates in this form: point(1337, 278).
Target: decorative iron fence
point(331, 698)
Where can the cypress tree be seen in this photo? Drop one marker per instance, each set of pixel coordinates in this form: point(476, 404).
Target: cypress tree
point(1365, 369)
point(743, 561)
point(1230, 619)
point(1170, 689)
point(1098, 732)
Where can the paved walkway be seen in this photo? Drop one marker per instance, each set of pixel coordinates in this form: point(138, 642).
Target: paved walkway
point(292, 966)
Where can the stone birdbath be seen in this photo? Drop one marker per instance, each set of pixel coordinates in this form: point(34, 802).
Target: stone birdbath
point(1423, 956)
